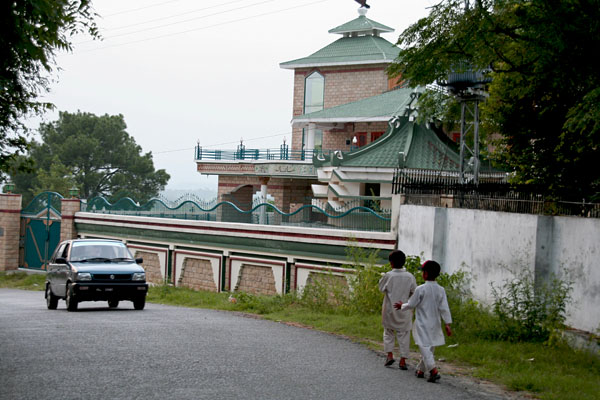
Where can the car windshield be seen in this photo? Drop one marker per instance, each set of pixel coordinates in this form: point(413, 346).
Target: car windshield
point(99, 251)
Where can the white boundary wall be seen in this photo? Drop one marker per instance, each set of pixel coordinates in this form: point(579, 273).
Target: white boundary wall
point(492, 246)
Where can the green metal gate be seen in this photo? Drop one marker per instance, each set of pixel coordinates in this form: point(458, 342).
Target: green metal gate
point(40, 230)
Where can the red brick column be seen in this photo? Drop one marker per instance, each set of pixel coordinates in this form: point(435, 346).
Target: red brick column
point(10, 226)
point(68, 208)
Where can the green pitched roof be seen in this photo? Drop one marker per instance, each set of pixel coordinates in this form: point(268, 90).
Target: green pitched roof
point(349, 51)
point(361, 24)
point(405, 143)
point(376, 108)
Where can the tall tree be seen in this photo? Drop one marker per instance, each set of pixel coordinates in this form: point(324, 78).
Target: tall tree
point(543, 100)
point(96, 154)
point(31, 32)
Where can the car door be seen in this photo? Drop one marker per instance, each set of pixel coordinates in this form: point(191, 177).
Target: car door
point(58, 272)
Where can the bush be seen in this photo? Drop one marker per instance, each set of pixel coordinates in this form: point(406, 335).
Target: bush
point(326, 293)
point(365, 297)
point(530, 311)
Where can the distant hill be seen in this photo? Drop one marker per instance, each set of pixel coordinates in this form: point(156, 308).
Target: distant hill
point(202, 193)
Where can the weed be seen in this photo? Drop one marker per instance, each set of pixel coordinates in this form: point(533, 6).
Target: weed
point(528, 310)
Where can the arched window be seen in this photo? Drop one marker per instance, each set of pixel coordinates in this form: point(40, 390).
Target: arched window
point(314, 93)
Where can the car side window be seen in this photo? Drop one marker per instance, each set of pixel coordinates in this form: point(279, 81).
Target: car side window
point(59, 251)
point(65, 252)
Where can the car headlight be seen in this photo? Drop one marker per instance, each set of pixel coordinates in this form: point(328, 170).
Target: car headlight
point(84, 276)
point(138, 276)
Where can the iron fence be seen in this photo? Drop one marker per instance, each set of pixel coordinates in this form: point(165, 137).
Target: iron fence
point(492, 193)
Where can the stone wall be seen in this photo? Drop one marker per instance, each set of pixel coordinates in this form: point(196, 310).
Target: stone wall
point(256, 280)
point(10, 226)
point(152, 266)
point(197, 274)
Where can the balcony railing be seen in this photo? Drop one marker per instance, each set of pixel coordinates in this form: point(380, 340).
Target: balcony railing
point(284, 153)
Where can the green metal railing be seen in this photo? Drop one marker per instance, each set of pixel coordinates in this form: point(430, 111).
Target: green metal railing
point(284, 153)
point(313, 216)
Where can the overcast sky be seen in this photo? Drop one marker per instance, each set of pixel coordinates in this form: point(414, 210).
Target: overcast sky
point(186, 70)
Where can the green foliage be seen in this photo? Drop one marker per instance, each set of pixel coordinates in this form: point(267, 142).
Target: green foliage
point(58, 178)
point(365, 296)
point(528, 310)
point(262, 304)
point(543, 100)
point(31, 32)
point(94, 153)
point(326, 293)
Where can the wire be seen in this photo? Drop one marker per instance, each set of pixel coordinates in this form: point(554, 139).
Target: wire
point(141, 8)
point(178, 22)
point(205, 27)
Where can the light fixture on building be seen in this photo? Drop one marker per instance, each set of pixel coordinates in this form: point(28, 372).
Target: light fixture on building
point(9, 187)
point(74, 192)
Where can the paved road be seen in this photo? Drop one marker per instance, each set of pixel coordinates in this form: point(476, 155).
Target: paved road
point(181, 353)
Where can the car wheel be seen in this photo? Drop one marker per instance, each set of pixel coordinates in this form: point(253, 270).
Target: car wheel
point(139, 303)
point(113, 303)
point(71, 302)
point(51, 299)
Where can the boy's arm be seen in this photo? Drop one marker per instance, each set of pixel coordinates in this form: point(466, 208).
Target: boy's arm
point(448, 330)
point(383, 284)
point(413, 302)
point(444, 310)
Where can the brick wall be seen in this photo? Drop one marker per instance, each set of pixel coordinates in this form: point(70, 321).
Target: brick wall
point(283, 190)
point(68, 208)
point(343, 85)
point(10, 225)
point(151, 266)
point(198, 275)
point(256, 280)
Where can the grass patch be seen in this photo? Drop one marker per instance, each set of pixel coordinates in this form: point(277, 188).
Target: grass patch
point(22, 280)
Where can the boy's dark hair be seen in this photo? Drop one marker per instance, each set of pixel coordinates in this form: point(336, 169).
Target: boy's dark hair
point(397, 259)
point(433, 269)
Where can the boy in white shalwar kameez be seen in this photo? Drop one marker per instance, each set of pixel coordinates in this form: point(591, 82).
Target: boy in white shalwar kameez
point(430, 303)
point(397, 285)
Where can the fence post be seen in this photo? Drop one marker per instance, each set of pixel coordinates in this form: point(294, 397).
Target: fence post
point(10, 226)
point(396, 204)
point(68, 208)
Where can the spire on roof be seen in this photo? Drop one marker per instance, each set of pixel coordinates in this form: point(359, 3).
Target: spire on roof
point(363, 3)
point(361, 26)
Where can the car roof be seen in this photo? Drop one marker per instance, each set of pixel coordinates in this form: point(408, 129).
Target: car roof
point(111, 241)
